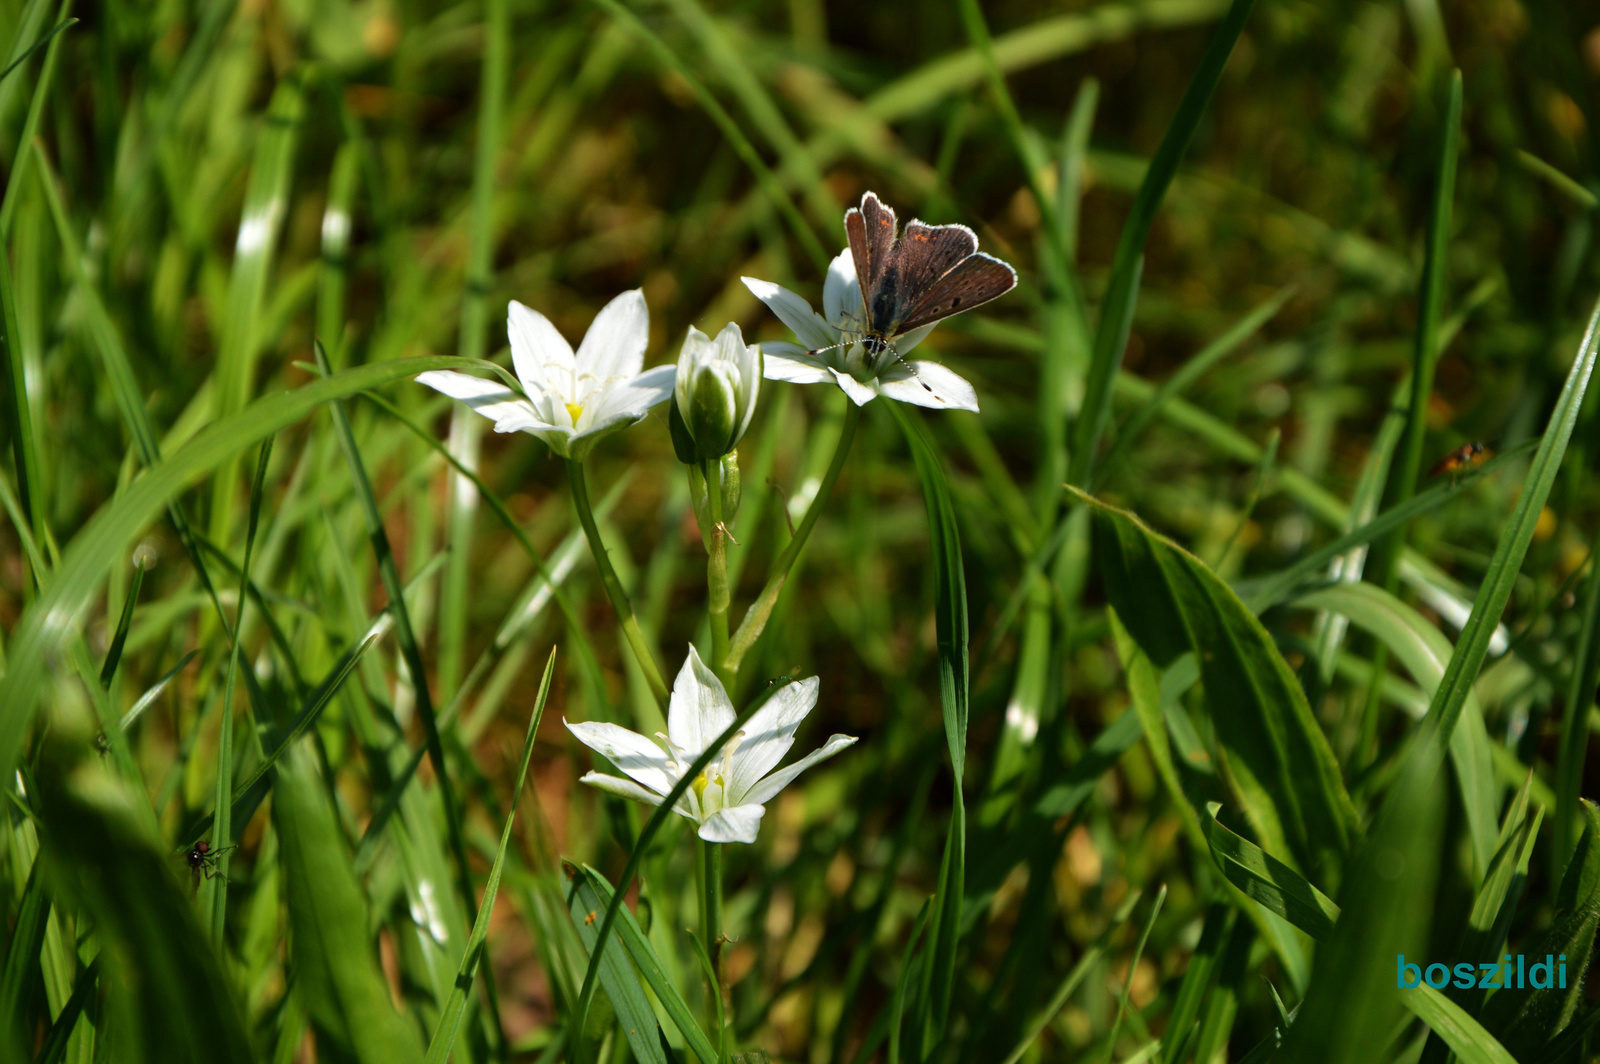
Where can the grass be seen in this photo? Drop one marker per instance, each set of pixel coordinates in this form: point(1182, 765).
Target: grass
point(1186, 699)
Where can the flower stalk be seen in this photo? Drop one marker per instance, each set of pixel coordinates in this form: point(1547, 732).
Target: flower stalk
point(717, 593)
point(760, 611)
point(708, 872)
point(608, 576)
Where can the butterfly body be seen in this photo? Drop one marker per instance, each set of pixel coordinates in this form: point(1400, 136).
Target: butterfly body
point(913, 279)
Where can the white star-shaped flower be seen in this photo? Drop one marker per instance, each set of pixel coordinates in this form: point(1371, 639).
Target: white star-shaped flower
point(573, 399)
point(727, 799)
point(831, 348)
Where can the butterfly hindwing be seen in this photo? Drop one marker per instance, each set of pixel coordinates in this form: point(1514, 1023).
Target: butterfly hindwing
point(974, 281)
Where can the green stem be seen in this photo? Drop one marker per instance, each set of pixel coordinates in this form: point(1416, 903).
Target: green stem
point(608, 576)
point(717, 596)
point(709, 875)
point(760, 611)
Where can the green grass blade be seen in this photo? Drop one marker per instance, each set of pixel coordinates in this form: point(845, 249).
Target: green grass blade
point(1278, 759)
point(410, 650)
point(1495, 591)
point(1463, 1034)
point(1424, 650)
point(444, 1035)
point(1266, 591)
point(1575, 724)
point(1352, 1007)
point(1269, 881)
point(770, 185)
point(17, 179)
point(1197, 980)
point(214, 891)
point(124, 622)
point(22, 953)
point(594, 893)
point(950, 623)
point(1116, 315)
point(1402, 483)
point(1525, 1021)
point(337, 976)
point(466, 427)
point(40, 43)
point(1127, 985)
point(45, 627)
point(164, 980)
point(1236, 336)
point(266, 203)
point(634, 1014)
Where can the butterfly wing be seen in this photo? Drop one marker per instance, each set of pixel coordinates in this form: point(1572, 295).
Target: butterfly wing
point(972, 282)
point(871, 229)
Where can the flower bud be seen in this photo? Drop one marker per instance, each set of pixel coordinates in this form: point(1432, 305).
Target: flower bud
point(715, 394)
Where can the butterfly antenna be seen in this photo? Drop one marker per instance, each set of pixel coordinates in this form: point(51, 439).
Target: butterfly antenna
point(912, 369)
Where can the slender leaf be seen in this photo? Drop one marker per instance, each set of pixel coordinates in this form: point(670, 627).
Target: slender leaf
point(1269, 881)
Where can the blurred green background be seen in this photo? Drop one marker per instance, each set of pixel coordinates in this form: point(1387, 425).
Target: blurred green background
point(195, 190)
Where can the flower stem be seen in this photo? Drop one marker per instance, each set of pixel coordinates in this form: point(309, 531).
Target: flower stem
point(760, 611)
point(608, 576)
point(717, 595)
point(709, 875)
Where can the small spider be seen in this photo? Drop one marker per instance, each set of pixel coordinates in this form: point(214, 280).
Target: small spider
point(587, 920)
point(204, 859)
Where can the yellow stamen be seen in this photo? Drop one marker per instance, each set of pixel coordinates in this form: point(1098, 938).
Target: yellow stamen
point(576, 410)
point(700, 784)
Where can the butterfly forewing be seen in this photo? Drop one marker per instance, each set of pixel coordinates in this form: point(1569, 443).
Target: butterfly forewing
point(871, 232)
point(973, 282)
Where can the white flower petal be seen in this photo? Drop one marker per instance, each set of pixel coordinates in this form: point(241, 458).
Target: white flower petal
point(628, 400)
point(700, 709)
point(859, 392)
point(493, 401)
point(536, 345)
point(796, 313)
point(769, 734)
point(614, 345)
point(788, 362)
point(906, 341)
point(841, 292)
point(768, 788)
point(629, 751)
point(621, 787)
point(558, 438)
point(933, 386)
point(738, 824)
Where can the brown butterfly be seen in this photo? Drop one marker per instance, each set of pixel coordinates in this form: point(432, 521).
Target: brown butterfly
point(921, 276)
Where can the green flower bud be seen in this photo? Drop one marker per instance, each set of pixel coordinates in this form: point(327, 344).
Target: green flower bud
point(715, 393)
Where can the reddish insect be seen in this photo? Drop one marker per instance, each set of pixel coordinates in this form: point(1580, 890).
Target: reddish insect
point(1467, 456)
point(202, 858)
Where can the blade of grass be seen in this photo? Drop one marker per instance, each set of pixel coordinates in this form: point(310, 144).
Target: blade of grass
point(1575, 724)
point(444, 1035)
point(1402, 482)
point(1116, 315)
point(46, 625)
point(1495, 591)
point(410, 651)
point(265, 205)
point(1269, 881)
point(950, 625)
point(1463, 1034)
point(214, 894)
point(466, 426)
point(337, 977)
point(594, 893)
point(1191, 371)
point(17, 179)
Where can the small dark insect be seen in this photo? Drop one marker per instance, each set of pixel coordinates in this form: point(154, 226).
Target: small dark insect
point(918, 277)
point(1467, 456)
point(202, 858)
